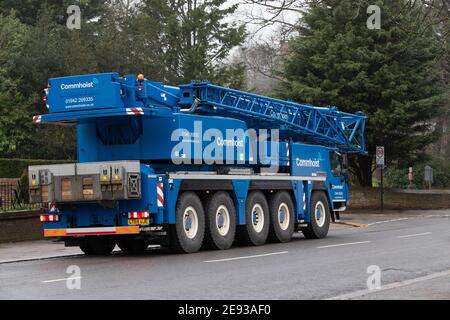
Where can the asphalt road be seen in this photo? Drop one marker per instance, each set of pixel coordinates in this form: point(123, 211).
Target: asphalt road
point(412, 255)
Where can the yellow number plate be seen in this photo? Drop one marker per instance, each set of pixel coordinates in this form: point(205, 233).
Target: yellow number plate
point(134, 222)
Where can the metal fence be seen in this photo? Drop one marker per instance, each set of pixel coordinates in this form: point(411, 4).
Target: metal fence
point(14, 197)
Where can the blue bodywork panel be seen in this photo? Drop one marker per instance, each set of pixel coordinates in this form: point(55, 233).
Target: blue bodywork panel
point(181, 137)
point(195, 127)
point(81, 93)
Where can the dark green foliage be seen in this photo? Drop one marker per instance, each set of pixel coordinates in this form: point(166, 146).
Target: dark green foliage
point(28, 11)
point(174, 41)
point(398, 177)
point(14, 168)
point(391, 74)
point(194, 39)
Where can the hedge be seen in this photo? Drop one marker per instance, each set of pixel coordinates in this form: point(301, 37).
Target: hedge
point(14, 168)
point(398, 177)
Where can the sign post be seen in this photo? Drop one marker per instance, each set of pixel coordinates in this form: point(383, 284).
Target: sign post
point(428, 175)
point(379, 156)
point(410, 177)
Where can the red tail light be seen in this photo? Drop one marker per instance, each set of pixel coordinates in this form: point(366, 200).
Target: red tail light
point(138, 215)
point(49, 217)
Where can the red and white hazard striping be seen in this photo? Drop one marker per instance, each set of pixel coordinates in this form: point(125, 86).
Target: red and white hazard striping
point(138, 215)
point(287, 154)
point(49, 218)
point(160, 194)
point(135, 111)
point(304, 201)
point(37, 119)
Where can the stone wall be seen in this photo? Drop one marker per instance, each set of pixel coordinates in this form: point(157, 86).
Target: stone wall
point(369, 198)
point(20, 226)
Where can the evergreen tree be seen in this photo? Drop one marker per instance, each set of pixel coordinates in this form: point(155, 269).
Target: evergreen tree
point(195, 40)
point(28, 11)
point(14, 108)
point(390, 74)
point(173, 41)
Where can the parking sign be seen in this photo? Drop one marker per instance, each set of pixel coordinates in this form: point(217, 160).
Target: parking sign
point(379, 155)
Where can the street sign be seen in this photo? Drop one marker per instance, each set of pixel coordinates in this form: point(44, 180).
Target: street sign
point(379, 156)
point(428, 175)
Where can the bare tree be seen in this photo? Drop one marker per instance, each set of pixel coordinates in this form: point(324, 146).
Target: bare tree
point(264, 13)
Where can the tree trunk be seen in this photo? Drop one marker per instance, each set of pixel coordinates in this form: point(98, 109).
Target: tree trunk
point(362, 167)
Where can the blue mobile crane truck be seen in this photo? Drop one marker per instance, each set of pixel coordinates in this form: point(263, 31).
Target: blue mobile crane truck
point(192, 166)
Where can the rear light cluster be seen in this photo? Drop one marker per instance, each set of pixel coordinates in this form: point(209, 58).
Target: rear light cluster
point(49, 217)
point(138, 215)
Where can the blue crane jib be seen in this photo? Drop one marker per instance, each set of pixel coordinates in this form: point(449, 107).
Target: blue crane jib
point(107, 98)
point(302, 122)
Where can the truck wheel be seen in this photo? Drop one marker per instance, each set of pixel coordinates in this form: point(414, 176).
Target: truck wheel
point(189, 229)
point(320, 217)
point(98, 245)
point(256, 230)
point(281, 217)
point(220, 221)
point(132, 245)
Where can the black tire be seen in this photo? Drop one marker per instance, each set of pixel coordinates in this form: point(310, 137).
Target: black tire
point(180, 241)
point(249, 234)
point(281, 225)
point(314, 229)
point(98, 245)
point(127, 244)
point(217, 238)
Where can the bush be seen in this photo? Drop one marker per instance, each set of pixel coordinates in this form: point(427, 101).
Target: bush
point(398, 177)
point(14, 168)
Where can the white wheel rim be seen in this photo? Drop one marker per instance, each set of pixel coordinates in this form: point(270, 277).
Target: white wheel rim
point(223, 220)
point(283, 216)
point(257, 218)
point(190, 222)
point(319, 213)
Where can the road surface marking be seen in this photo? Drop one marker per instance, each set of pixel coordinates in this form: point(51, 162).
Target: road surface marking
point(247, 257)
point(353, 224)
point(390, 286)
point(386, 221)
point(57, 280)
point(40, 258)
point(414, 235)
point(342, 244)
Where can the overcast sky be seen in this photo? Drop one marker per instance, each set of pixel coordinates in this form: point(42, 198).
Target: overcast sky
point(245, 11)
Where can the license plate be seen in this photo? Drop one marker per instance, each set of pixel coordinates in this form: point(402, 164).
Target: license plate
point(134, 222)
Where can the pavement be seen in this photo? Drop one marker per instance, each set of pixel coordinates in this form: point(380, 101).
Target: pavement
point(409, 251)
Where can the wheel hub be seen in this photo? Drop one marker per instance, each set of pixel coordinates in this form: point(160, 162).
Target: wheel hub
point(223, 220)
point(283, 216)
point(320, 213)
point(257, 218)
point(190, 222)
